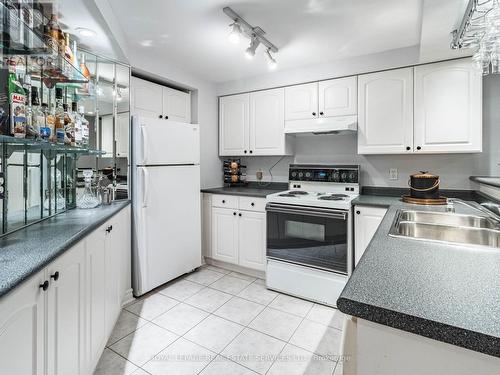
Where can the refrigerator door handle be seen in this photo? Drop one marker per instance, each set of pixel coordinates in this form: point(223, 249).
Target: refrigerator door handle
point(144, 142)
point(145, 189)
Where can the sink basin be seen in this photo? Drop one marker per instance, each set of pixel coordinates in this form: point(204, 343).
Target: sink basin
point(447, 228)
point(449, 219)
point(449, 234)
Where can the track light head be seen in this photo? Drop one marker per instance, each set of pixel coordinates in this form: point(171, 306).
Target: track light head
point(271, 61)
point(234, 35)
point(250, 51)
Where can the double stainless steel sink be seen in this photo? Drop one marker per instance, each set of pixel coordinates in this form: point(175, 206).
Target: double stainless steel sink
point(447, 228)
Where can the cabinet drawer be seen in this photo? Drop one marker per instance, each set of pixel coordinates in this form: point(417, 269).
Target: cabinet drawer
point(225, 201)
point(252, 204)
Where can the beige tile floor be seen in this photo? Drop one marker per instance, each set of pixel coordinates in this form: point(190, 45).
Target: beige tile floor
point(218, 322)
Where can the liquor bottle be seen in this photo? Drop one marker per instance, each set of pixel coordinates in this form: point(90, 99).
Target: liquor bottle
point(68, 53)
point(69, 127)
point(85, 128)
point(17, 100)
point(78, 127)
point(45, 129)
point(59, 116)
point(29, 115)
point(38, 117)
point(26, 16)
point(71, 132)
point(86, 88)
point(52, 33)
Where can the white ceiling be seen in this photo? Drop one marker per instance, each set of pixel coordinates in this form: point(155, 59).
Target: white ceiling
point(192, 34)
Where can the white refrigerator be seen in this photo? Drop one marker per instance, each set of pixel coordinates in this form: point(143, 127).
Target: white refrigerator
point(166, 201)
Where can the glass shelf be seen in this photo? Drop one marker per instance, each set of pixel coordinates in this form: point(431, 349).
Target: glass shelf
point(59, 148)
point(42, 62)
point(17, 38)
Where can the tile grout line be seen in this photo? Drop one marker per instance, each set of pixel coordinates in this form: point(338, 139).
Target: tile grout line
point(212, 313)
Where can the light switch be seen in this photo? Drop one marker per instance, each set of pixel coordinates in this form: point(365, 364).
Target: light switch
point(393, 174)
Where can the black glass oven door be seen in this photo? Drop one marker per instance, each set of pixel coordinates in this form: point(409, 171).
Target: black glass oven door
point(315, 237)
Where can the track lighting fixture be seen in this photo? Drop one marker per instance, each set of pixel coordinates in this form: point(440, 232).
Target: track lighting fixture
point(271, 61)
point(234, 35)
point(256, 35)
point(250, 51)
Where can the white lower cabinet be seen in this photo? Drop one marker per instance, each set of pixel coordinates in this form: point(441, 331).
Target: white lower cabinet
point(58, 321)
point(22, 333)
point(238, 234)
point(96, 295)
point(252, 239)
point(66, 312)
point(225, 234)
point(366, 223)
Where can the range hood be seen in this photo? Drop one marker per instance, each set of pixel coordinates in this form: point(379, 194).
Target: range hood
point(324, 125)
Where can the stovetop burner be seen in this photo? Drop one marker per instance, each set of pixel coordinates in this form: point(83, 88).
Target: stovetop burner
point(294, 193)
point(333, 197)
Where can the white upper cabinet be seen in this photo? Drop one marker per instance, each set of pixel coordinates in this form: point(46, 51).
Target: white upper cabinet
point(152, 100)
point(448, 107)
point(267, 122)
point(176, 105)
point(234, 125)
point(385, 112)
point(338, 97)
point(253, 124)
point(122, 134)
point(301, 102)
point(147, 98)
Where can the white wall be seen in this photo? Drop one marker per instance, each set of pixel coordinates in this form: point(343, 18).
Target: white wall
point(454, 169)
point(338, 68)
point(205, 109)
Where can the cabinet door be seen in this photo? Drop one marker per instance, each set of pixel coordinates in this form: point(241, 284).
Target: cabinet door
point(301, 102)
point(107, 137)
point(252, 239)
point(338, 97)
point(95, 295)
point(234, 125)
point(206, 225)
point(448, 107)
point(267, 122)
point(146, 98)
point(122, 134)
point(66, 312)
point(22, 338)
point(176, 105)
point(366, 222)
point(117, 244)
point(225, 235)
point(385, 112)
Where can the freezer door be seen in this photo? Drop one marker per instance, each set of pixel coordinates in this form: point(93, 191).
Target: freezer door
point(165, 142)
point(167, 225)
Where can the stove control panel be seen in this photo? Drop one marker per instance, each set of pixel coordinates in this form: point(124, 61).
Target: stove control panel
point(343, 174)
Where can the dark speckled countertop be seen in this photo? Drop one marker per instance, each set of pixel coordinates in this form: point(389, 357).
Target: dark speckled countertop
point(449, 293)
point(27, 251)
point(253, 189)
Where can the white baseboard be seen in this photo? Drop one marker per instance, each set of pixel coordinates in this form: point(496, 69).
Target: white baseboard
point(236, 268)
point(128, 297)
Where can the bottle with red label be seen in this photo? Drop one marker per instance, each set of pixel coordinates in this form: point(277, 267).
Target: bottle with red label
point(17, 100)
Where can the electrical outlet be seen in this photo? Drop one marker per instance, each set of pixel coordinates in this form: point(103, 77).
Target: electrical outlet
point(393, 174)
point(259, 174)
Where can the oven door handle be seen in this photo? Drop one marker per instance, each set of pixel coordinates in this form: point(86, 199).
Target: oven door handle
point(308, 211)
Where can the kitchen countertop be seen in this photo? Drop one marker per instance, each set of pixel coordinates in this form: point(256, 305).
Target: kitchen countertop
point(487, 180)
point(253, 189)
point(449, 293)
point(28, 250)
